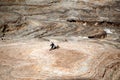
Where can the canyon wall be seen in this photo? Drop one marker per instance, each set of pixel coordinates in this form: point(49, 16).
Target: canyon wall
point(27, 26)
point(60, 10)
point(40, 18)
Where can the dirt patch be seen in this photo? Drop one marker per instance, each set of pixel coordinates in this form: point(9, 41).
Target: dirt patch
point(67, 58)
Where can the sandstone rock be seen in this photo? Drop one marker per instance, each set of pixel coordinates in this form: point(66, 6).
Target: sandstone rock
point(56, 13)
point(85, 60)
point(99, 34)
point(68, 22)
point(87, 10)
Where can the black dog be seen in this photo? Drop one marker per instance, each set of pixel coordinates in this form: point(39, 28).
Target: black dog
point(53, 46)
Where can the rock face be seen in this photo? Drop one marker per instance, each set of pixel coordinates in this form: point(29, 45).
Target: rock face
point(68, 23)
point(58, 10)
point(40, 18)
point(84, 60)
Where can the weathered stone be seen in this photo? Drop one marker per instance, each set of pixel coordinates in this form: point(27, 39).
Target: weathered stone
point(87, 10)
point(85, 60)
point(67, 23)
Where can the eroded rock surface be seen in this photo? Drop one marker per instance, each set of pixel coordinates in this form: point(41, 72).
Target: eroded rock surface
point(85, 10)
point(68, 23)
point(41, 18)
point(84, 60)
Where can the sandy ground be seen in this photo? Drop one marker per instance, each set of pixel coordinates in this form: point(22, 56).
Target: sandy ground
point(83, 60)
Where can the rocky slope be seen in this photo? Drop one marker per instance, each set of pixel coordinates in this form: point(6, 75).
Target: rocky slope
point(26, 26)
point(38, 18)
point(83, 60)
point(57, 10)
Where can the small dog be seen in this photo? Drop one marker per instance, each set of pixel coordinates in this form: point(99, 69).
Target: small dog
point(53, 46)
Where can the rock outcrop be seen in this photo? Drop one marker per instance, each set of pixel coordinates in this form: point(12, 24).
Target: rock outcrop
point(84, 60)
point(58, 10)
point(68, 23)
point(56, 15)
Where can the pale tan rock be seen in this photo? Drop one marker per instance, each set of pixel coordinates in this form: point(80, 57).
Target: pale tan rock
point(78, 58)
point(85, 60)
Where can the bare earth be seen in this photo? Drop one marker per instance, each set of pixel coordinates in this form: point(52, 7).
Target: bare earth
point(82, 60)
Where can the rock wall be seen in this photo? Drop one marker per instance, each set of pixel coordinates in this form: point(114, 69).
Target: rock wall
point(59, 10)
point(40, 18)
point(67, 21)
